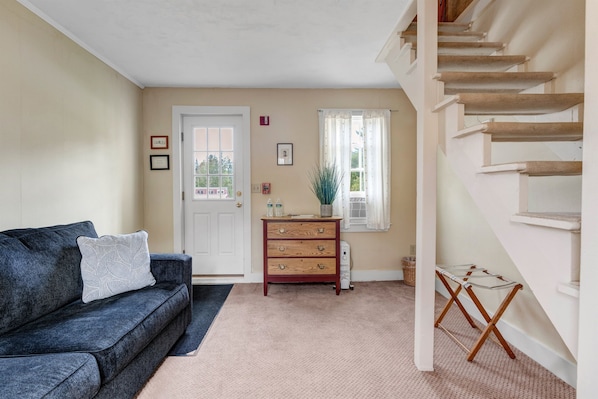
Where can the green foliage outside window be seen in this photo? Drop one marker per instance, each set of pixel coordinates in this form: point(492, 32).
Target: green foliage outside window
point(215, 172)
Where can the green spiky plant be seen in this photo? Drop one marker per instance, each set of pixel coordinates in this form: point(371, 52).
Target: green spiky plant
point(325, 182)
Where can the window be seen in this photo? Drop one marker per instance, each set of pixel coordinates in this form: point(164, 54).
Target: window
point(358, 143)
point(213, 158)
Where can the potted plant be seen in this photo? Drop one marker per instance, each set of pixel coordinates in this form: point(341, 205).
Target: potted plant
point(325, 182)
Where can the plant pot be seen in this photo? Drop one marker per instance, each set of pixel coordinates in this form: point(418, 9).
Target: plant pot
point(325, 210)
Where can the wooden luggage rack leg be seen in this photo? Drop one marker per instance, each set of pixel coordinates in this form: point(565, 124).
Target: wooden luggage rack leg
point(463, 274)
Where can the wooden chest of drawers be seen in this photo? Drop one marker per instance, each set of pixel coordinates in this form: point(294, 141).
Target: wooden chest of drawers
point(301, 250)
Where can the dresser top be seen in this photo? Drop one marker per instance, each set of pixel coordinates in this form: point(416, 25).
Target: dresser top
point(309, 218)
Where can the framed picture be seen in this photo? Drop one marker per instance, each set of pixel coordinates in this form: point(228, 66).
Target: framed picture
point(284, 153)
point(159, 142)
point(159, 162)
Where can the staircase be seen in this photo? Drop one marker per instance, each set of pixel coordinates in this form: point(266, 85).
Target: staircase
point(493, 114)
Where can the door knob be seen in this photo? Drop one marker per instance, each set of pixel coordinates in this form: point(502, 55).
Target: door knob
point(238, 204)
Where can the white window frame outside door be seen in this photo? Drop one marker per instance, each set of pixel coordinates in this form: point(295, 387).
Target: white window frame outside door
point(178, 113)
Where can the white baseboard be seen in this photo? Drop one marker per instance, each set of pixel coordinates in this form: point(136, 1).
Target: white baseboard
point(376, 275)
point(359, 275)
point(537, 351)
point(250, 278)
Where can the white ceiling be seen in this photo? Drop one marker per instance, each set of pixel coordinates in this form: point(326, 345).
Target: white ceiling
point(233, 43)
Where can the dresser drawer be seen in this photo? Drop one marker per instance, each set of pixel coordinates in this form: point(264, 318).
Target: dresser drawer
point(301, 230)
point(284, 248)
point(308, 266)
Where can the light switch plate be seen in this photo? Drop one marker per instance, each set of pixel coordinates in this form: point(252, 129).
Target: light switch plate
point(256, 188)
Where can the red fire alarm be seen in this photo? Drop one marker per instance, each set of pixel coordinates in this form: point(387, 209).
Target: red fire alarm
point(264, 120)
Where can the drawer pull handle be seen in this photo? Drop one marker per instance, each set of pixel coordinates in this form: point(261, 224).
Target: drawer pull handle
point(281, 266)
point(282, 230)
point(320, 230)
point(321, 266)
point(321, 247)
point(281, 248)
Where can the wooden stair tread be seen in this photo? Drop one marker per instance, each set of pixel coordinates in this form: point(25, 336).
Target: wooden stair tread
point(494, 82)
point(527, 131)
point(467, 48)
point(561, 220)
point(538, 168)
point(513, 104)
point(479, 63)
point(445, 26)
point(467, 36)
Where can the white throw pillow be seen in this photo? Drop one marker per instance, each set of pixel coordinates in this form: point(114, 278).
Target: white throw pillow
point(113, 264)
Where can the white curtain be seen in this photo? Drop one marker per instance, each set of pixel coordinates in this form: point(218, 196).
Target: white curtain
point(376, 155)
point(335, 148)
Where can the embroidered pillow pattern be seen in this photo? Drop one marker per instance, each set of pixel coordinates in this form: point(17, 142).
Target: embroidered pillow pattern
point(113, 264)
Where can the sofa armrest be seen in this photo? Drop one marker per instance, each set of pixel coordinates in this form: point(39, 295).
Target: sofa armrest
point(174, 268)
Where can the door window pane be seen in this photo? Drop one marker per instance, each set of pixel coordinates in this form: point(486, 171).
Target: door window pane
point(213, 158)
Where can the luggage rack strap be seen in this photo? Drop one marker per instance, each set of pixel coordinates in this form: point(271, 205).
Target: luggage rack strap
point(462, 274)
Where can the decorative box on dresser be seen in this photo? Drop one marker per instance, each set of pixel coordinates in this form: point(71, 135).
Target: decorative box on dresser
point(301, 250)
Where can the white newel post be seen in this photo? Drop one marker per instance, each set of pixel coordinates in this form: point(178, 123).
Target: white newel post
point(427, 143)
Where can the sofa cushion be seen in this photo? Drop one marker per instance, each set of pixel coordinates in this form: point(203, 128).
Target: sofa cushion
point(62, 375)
point(39, 271)
point(114, 329)
point(114, 264)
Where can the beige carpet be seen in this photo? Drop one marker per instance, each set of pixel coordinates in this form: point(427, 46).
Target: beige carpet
point(303, 341)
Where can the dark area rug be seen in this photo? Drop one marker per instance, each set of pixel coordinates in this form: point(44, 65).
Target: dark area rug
point(207, 301)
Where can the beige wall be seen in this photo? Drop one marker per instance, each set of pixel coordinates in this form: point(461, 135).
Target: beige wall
point(553, 36)
point(70, 132)
point(293, 119)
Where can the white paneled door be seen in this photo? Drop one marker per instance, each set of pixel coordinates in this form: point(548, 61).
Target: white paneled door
point(213, 193)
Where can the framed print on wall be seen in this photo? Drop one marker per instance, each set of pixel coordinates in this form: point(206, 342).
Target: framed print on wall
point(159, 162)
point(284, 154)
point(159, 142)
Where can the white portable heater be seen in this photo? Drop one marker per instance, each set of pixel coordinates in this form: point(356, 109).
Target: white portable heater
point(345, 266)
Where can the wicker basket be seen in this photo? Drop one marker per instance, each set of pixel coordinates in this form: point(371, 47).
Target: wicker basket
point(408, 263)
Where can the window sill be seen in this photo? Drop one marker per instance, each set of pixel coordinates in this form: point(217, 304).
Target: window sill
point(360, 228)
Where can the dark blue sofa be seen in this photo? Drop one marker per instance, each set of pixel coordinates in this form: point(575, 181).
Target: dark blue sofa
point(52, 345)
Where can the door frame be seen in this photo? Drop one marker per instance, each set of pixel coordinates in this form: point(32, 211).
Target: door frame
point(178, 113)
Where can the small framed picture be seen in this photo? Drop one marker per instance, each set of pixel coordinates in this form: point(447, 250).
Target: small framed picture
point(284, 154)
point(159, 162)
point(159, 142)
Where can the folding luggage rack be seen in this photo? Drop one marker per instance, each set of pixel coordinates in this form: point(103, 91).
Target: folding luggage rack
point(468, 277)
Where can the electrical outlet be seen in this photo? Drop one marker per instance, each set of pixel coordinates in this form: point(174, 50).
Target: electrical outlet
point(412, 250)
point(256, 188)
